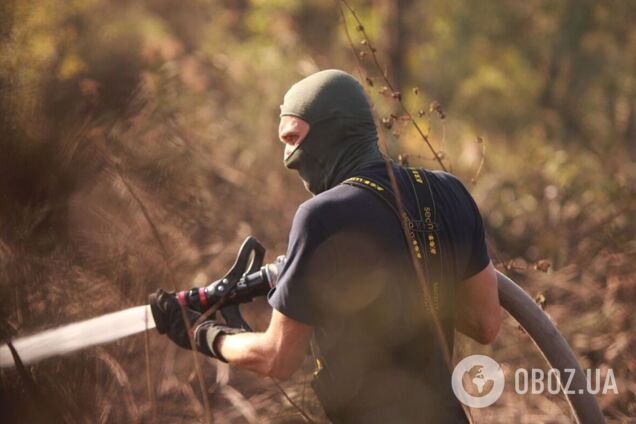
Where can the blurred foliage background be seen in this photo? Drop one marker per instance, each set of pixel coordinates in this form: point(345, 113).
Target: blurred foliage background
point(138, 147)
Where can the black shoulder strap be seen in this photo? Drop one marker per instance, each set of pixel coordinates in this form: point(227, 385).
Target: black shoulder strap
point(421, 220)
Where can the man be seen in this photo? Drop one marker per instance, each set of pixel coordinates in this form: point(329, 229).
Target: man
point(349, 280)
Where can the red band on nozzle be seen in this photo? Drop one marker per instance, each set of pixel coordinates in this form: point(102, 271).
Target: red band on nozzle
point(181, 298)
point(202, 297)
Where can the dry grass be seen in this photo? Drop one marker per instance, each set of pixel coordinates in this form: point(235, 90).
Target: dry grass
point(100, 206)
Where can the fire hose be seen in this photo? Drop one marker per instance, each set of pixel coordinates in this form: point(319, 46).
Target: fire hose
point(249, 278)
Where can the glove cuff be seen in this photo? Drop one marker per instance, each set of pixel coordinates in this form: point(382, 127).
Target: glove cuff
point(207, 334)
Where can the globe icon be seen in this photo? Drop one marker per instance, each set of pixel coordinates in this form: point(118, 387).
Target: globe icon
point(476, 383)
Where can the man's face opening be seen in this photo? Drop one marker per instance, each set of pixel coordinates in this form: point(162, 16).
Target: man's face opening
point(292, 131)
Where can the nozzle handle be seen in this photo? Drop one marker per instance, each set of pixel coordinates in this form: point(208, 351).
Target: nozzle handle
point(242, 265)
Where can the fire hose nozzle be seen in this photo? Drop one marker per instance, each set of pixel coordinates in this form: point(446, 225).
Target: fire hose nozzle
point(250, 286)
point(247, 279)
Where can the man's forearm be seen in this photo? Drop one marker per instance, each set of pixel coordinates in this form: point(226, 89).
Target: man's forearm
point(251, 351)
point(259, 353)
point(478, 311)
point(277, 353)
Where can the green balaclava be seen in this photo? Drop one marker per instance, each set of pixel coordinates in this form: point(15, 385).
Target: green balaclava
point(342, 137)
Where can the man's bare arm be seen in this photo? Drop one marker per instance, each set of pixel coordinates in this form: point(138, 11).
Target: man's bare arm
point(478, 309)
point(278, 352)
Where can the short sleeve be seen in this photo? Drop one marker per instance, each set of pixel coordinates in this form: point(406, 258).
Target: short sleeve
point(303, 270)
point(472, 252)
point(478, 257)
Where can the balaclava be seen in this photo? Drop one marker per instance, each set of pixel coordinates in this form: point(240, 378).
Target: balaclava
point(342, 137)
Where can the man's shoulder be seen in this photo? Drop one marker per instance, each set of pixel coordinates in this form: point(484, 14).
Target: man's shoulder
point(450, 184)
point(340, 196)
point(445, 177)
point(335, 208)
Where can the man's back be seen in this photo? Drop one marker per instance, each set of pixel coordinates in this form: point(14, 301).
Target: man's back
point(348, 279)
point(349, 274)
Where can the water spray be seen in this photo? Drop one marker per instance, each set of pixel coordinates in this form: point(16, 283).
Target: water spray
point(72, 337)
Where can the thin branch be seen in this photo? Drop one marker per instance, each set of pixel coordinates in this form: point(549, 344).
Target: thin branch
point(481, 141)
point(416, 263)
point(439, 332)
point(394, 93)
point(289, 399)
point(149, 385)
point(166, 256)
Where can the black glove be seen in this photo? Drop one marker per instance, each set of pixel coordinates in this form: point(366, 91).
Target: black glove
point(206, 335)
point(168, 317)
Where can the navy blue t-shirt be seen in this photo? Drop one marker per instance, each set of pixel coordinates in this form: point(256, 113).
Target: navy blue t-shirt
point(349, 274)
